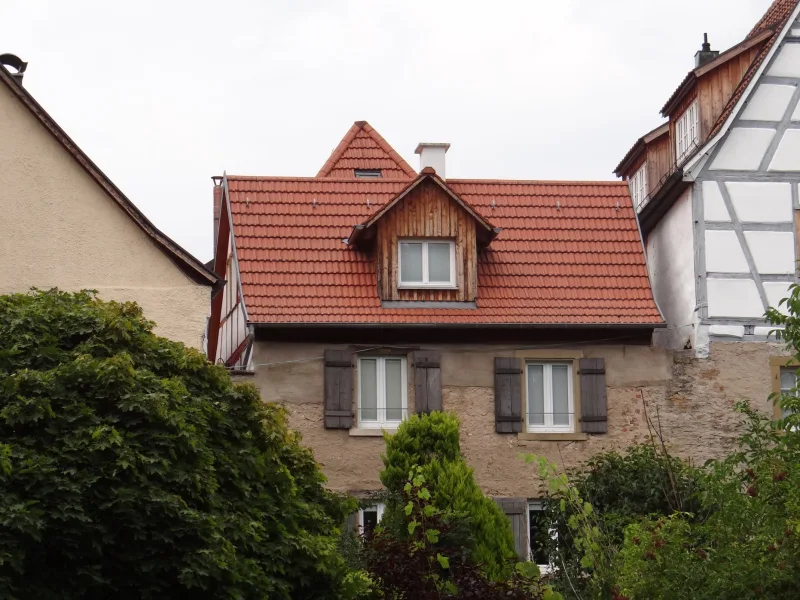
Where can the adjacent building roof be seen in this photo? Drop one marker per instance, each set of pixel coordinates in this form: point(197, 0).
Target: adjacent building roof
point(638, 147)
point(363, 148)
point(569, 253)
point(187, 263)
point(773, 21)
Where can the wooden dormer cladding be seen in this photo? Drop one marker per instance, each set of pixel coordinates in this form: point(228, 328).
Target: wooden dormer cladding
point(427, 212)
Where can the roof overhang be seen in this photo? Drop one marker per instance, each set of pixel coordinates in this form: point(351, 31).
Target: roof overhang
point(364, 232)
point(638, 147)
point(187, 263)
point(692, 76)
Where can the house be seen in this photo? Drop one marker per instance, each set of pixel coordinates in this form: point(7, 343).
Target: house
point(373, 291)
point(716, 193)
point(66, 225)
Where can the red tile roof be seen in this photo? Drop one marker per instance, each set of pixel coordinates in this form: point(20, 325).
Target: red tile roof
point(774, 19)
point(568, 253)
point(364, 148)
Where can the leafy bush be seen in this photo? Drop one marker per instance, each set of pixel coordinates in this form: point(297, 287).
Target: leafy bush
point(432, 443)
point(423, 566)
point(133, 468)
point(747, 547)
point(621, 488)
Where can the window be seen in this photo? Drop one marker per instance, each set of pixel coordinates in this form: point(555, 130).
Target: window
point(427, 263)
point(382, 393)
point(540, 536)
point(367, 173)
point(638, 186)
point(788, 386)
point(369, 517)
point(687, 132)
point(550, 406)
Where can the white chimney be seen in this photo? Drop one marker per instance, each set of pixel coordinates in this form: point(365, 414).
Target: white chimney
point(432, 155)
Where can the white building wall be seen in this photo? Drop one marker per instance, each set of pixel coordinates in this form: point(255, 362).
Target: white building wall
point(670, 259)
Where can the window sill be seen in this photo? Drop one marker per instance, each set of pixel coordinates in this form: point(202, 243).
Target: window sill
point(370, 432)
point(421, 286)
point(552, 437)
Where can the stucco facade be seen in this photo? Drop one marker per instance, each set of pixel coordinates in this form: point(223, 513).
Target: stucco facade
point(61, 229)
point(694, 397)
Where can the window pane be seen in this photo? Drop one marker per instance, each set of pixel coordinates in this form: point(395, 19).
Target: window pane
point(788, 379)
point(394, 390)
point(536, 394)
point(370, 517)
point(410, 262)
point(560, 395)
point(439, 263)
point(539, 536)
point(368, 371)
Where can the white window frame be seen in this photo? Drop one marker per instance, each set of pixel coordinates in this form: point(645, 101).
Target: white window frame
point(638, 187)
point(538, 506)
point(687, 132)
point(549, 426)
point(793, 391)
point(380, 370)
point(425, 283)
point(378, 508)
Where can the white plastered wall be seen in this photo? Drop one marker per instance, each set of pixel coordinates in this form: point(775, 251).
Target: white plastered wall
point(60, 229)
point(670, 259)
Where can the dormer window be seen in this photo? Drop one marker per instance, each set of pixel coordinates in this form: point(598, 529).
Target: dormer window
point(427, 263)
point(638, 186)
point(687, 132)
point(368, 173)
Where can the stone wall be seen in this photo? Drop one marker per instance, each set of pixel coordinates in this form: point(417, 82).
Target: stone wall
point(693, 397)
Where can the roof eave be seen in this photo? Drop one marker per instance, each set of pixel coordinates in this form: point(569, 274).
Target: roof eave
point(488, 325)
point(185, 261)
point(678, 95)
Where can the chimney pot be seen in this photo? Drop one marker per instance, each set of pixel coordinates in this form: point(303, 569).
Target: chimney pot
point(705, 55)
point(16, 63)
point(431, 155)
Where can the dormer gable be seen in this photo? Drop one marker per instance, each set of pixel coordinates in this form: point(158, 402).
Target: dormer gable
point(364, 154)
point(425, 243)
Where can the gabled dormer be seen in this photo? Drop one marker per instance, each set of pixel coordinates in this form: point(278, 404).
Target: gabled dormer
point(425, 243)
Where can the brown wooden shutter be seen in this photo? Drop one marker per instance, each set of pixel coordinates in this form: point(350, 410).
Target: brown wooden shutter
point(427, 382)
point(338, 389)
point(516, 509)
point(593, 395)
point(508, 395)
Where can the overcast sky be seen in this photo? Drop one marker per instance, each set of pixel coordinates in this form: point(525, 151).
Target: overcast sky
point(163, 95)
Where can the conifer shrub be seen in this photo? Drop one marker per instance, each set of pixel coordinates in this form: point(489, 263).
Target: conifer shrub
point(432, 443)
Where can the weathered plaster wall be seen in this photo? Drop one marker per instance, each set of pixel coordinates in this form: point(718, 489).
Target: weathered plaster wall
point(670, 259)
point(693, 398)
point(59, 229)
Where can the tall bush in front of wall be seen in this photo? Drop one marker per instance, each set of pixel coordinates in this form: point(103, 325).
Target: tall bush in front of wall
point(432, 442)
point(130, 467)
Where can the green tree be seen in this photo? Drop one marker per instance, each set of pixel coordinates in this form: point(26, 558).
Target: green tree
point(130, 467)
point(432, 443)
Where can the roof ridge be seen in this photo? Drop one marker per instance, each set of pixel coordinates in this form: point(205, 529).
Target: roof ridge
point(351, 135)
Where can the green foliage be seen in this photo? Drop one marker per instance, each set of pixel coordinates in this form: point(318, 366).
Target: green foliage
point(130, 467)
point(749, 544)
point(432, 443)
point(424, 566)
point(621, 488)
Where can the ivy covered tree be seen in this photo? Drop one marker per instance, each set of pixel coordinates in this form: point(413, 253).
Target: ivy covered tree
point(130, 467)
point(431, 442)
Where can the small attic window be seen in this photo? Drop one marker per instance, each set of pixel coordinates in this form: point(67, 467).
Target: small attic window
point(368, 173)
